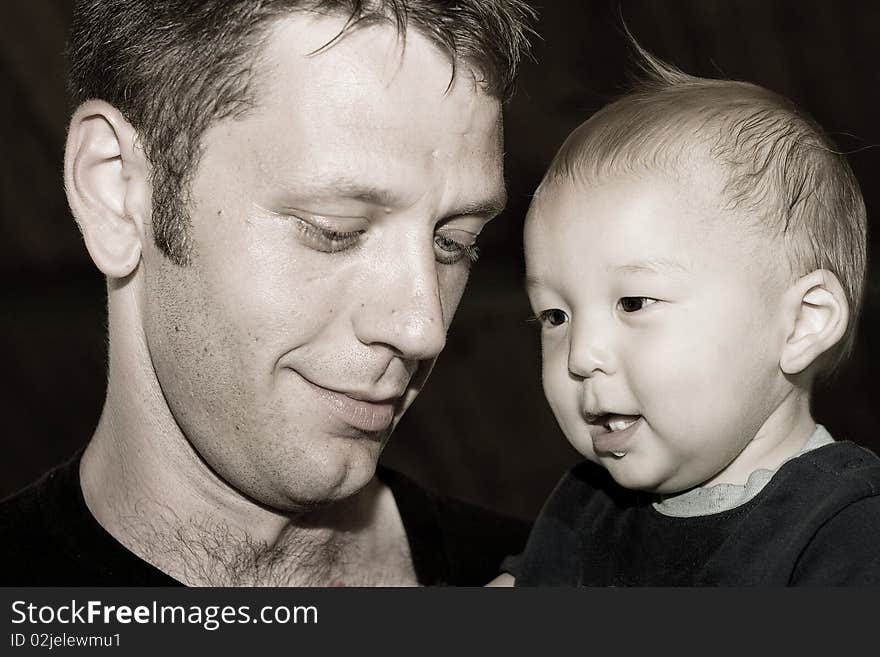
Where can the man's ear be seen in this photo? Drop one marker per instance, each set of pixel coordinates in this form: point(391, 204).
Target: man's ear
point(821, 315)
point(106, 176)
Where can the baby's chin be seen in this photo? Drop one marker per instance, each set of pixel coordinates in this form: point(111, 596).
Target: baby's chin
point(634, 476)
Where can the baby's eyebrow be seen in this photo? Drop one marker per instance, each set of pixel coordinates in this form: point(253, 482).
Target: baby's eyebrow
point(531, 281)
point(651, 266)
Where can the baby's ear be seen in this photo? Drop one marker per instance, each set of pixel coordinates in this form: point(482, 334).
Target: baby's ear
point(820, 314)
point(107, 184)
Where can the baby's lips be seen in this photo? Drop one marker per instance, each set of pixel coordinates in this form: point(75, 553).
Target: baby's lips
point(622, 421)
point(593, 418)
point(604, 419)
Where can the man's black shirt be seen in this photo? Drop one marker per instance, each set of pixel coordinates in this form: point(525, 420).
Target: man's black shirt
point(48, 537)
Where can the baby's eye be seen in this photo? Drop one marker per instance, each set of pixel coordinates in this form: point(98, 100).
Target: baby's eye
point(634, 304)
point(552, 317)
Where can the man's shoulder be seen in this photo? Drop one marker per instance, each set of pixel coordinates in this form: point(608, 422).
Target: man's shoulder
point(27, 509)
point(25, 501)
point(453, 541)
point(48, 537)
point(30, 526)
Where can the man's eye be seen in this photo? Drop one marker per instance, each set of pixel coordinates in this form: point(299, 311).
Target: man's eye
point(324, 240)
point(634, 304)
point(449, 251)
point(552, 317)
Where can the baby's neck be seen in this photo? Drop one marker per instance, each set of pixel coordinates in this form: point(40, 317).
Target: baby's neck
point(783, 434)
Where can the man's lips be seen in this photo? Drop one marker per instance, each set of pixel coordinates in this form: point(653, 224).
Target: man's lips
point(365, 411)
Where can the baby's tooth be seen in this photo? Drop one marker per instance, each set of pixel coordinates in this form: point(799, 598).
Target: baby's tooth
point(619, 425)
point(619, 454)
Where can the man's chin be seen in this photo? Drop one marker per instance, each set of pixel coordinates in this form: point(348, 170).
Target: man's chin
point(326, 484)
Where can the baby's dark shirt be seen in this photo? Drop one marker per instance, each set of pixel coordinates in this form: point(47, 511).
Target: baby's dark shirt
point(817, 522)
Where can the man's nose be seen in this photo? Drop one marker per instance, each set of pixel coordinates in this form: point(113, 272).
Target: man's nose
point(590, 350)
point(405, 310)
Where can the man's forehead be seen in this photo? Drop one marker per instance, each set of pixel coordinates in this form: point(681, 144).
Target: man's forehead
point(368, 48)
point(464, 67)
point(344, 127)
point(370, 79)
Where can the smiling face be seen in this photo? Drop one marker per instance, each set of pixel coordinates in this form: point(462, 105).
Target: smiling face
point(661, 326)
point(333, 228)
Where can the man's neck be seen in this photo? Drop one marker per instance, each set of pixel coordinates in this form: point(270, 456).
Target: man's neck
point(206, 534)
point(149, 489)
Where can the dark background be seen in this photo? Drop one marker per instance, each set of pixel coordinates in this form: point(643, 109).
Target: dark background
point(481, 429)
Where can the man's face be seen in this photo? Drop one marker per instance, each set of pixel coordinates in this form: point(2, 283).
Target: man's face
point(332, 230)
point(661, 327)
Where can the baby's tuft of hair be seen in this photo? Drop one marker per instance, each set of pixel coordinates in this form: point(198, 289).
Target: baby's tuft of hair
point(780, 171)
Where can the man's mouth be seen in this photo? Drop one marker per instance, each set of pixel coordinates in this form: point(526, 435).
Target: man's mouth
point(369, 411)
point(369, 415)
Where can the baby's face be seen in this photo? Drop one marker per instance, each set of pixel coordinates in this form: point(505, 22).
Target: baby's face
point(661, 327)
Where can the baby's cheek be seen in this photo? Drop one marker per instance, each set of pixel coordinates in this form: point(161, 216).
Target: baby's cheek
point(555, 388)
point(563, 398)
point(674, 378)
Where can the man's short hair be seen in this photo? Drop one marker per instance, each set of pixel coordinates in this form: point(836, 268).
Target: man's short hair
point(780, 169)
point(175, 67)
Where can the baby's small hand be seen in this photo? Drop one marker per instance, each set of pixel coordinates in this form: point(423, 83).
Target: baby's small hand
point(504, 579)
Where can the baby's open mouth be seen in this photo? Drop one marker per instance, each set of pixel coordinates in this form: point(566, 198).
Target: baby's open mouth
point(619, 422)
point(618, 432)
point(612, 421)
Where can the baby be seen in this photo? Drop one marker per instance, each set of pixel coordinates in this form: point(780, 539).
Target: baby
point(696, 258)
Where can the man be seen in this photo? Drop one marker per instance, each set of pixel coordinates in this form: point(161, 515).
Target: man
point(284, 198)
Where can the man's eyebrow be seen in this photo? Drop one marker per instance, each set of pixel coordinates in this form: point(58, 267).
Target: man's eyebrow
point(484, 209)
point(379, 196)
point(651, 266)
point(350, 189)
